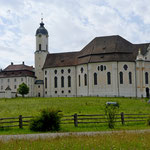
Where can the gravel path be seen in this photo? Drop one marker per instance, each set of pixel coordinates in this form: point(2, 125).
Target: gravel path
point(55, 135)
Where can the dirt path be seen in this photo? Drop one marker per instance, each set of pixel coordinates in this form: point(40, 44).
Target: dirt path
point(54, 135)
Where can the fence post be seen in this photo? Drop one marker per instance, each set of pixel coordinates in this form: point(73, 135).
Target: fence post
point(122, 118)
point(20, 122)
point(75, 120)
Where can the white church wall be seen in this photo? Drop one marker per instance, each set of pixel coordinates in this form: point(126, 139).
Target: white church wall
point(142, 69)
point(59, 72)
point(103, 88)
point(82, 88)
point(126, 89)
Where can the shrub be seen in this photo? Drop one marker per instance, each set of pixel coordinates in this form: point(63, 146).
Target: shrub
point(110, 111)
point(49, 120)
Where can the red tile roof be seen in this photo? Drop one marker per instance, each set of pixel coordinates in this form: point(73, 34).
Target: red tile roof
point(20, 70)
point(18, 67)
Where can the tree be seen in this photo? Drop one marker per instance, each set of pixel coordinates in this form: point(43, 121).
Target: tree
point(23, 89)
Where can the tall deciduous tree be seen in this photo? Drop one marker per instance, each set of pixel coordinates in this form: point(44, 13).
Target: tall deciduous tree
point(23, 89)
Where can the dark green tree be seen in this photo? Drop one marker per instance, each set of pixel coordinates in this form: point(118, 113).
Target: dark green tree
point(23, 89)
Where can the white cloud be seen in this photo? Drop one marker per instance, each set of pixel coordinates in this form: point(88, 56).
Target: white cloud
point(71, 24)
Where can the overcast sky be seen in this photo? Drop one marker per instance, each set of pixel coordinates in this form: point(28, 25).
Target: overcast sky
point(71, 24)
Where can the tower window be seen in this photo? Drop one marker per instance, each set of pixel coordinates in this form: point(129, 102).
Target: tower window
point(39, 47)
point(46, 47)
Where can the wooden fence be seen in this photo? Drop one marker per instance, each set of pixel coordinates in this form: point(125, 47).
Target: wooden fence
point(76, 119)
point(102, 118)
point(19, 121)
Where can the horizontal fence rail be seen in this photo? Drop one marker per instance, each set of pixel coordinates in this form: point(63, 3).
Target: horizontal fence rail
point(102, 118)
point(19, 121)
point(76, 119)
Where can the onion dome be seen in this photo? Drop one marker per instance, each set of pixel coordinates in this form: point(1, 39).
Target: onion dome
point(41, 29)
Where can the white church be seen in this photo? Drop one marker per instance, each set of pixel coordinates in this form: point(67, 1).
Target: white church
point(108, 66)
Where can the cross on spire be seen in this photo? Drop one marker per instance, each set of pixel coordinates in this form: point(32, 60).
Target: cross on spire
point(42, 17)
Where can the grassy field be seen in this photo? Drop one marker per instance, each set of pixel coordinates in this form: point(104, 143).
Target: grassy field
point(69, 106)
point(115, 141)
point(82, 105)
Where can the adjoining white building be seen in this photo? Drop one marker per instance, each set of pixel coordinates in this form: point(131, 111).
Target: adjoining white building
point(107, 66)
point(12, 76)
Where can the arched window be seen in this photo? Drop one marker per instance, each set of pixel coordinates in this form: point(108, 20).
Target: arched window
point(79, 81)
point(101, 68)
point(130, 77)
point(55, 71)
point(69, 81)
point(39, 47)
point(55, 82)
point(62, 71)
point(46, 83)
point(62, 81)
point(121, 77)
point(108, 78)
point(82, 70)
point(95, 78)
point(146, 77)
point(69, 70)
point(85, 79)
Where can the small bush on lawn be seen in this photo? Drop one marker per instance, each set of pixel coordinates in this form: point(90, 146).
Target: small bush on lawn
point(49, 120)
point(110, 111)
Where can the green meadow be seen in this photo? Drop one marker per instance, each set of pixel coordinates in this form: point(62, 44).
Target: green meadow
point(114, 141)
point(69, 106)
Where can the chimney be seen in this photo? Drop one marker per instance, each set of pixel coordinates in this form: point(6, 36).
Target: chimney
point(11, 63)
point(23, 62)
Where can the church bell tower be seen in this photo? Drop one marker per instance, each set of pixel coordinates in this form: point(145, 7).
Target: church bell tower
point(40, 56)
